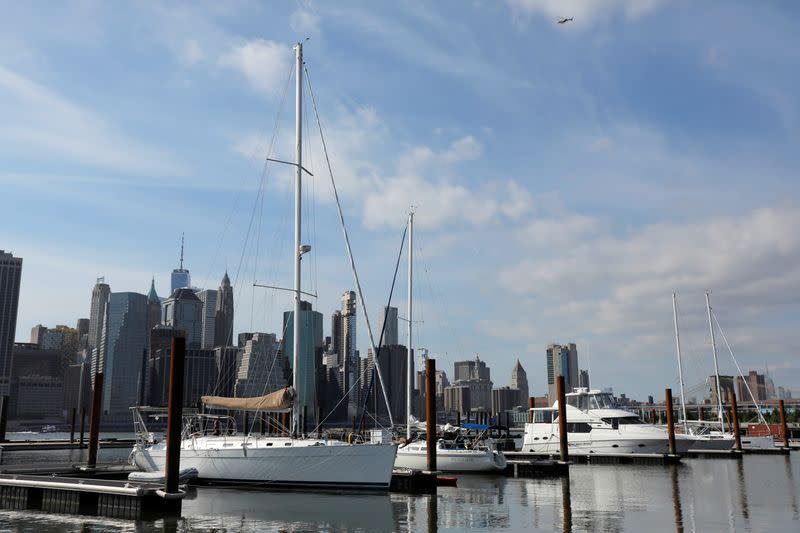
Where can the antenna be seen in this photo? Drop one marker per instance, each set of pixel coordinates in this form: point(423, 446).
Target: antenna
point(181, 250)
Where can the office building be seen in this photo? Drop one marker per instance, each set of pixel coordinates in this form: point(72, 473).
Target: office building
point(519, 381)
point(757, 384)
point(504, 399)
point(562, 360)
point(393, 362)
point(36, 384)
point(122, 352)
point(310, 356)
point(389, 316)
point(457, 400)
point(153, 306)
point(336, 334)
point(583, 379)
point(209, 318)
point(261, 369)
point(471, 369)
point(184, 310)
point(10, 279)
point(477, 376)
point(347, 345)
point(97, 315)
point(180, 278)
point(224, 313)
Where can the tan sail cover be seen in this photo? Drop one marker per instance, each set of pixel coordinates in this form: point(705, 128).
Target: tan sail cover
point(276, 402)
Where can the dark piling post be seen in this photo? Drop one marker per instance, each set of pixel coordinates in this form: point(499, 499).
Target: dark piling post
point(653, 419)
point(531, 406)
point(175, 414)
point(670, 424)
point(735, 418)
point(354, 425)
point(3, 417)
point(458, 418)
point(261, 424)
point(94, 423)
point(700, 414)
point(304, 425)
point(562, 419)
point(784, 427)
point(83, 423)
point(72, 428)
point(430, 412)
point(246, 425)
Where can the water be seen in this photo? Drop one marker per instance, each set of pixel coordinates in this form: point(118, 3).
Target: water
point(758, 493)
point(104, 455)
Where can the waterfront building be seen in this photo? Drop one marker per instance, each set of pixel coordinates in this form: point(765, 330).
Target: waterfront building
point(36, 384)
point(457, 400)
point(180, 278)
point(184, 310)
point(10, 279)
point(122, 352)
point(224, 313)
point(97, 315)
point(209, 317)
point(519, 381)
point(389, 316)
point(562, 360)
point(504, 399)
point(311, 347)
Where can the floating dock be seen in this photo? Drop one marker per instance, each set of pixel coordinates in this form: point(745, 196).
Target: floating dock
point(42, 445)
point(413, 481)
point(102, 497)
point(614, 459)
point(535, 467)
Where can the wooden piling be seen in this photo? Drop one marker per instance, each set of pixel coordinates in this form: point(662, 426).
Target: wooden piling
point(3, 417)
point(304, 424)
point(784, 426)
point(83, 423)
point(175, 414)
point(562, 419)
point(246, 423)
point(670, 424)
point(430, 412)
point(735, 419)
point(653, 419)
point(700, 415)
point(72, 428)
point(531, 406)
point(458, 418)
point(94, 423)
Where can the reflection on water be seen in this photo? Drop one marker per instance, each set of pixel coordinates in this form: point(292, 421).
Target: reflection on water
point(758, 493)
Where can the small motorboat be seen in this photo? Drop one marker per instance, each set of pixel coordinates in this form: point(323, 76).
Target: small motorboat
point(184, 476)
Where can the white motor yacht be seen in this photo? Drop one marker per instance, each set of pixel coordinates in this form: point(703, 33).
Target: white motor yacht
point(453, 455)
point(595, 425)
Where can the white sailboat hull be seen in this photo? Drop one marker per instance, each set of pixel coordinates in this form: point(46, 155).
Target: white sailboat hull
point(278, 461)
point(542, 438)
point(451, 460)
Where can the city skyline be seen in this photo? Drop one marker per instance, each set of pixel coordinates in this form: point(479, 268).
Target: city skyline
point(557, 198)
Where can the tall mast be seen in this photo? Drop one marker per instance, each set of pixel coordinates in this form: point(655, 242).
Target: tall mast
point(716, 367)
point(298, 49)
point(680, 364)
point(409, 356)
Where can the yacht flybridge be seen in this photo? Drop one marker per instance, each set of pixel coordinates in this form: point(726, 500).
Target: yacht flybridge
point(596, 425)
point(220, 453)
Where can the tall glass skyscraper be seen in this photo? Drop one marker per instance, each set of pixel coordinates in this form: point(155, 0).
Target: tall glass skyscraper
point(10, 278)
point(123, 345)
point(311, 341)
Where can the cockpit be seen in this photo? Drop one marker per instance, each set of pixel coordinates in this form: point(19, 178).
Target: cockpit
point(585, 401)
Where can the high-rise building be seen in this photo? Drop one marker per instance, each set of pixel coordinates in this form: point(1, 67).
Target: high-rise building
point(519, 381)
point(311, 348)
point(392, 361)
point(97, 316)
point(10, 278)
point(227, 360)
point(37, 334)
point(180, 278)
point(726, 386)
point(37, 384)
point(209, 299)
point(457, 400)
point(471, 369)
point(336, 334)
point(757, 384)
point(583, 379)
point(389, 314)
point(348, 349)
point(224, 313)
point(123, 348)
point(261, 368)
point(504, 399)
point(561, 361)
point(184, 310)
point(153, 306)
point(477, 376)
point(200, 371)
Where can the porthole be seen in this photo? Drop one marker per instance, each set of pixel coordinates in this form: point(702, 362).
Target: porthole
point(616, 445)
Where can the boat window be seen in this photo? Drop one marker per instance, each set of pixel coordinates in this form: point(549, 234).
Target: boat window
point(578, 427)
point(603, 401)
point(288, 444)
point(630, 420)
point(269, 444)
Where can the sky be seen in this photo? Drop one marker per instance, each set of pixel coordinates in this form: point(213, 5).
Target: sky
point(566, 178)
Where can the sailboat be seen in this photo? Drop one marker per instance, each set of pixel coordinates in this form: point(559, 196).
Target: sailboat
point(212, 445)
point(458, 455)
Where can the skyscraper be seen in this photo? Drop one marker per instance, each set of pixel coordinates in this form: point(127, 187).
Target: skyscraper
point(348, 356)
point(10, 278)
point(390, 337)
point(477, 376)
point(224, 313)
point(561, 361)
point(184, 310)
point(153, 307)
point(180, 276)
point(336, 334)
point(393, 363)
point(97, 315)
point(209, 299)
point(519, 381)
point(122, 349)
point(311, 345)
point(261, 368)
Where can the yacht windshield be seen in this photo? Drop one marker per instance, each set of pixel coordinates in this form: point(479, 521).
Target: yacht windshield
point(581, 401)
point(603, 401)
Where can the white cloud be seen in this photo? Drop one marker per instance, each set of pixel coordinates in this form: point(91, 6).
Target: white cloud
point(36, 118)
point(305, 21)
point(584, 12)
point(265, 64)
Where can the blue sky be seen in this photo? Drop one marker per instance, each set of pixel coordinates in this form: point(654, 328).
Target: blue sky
point(567, 178)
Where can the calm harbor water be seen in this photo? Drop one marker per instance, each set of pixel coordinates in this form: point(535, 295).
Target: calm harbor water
point(757, 493)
